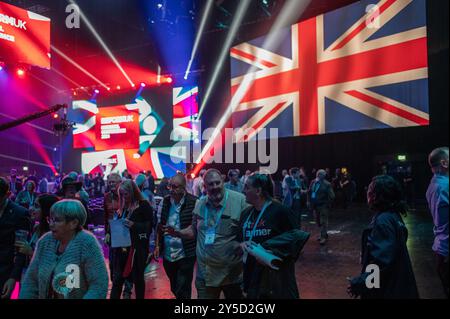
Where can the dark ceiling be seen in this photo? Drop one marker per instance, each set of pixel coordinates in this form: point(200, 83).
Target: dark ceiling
point(127, 27)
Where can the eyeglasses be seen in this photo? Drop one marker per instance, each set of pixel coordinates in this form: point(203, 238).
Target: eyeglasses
point(173, 186)
point(53, 220)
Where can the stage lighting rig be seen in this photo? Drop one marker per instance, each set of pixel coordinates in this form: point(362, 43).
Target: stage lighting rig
point(63, 125)
point(34, 116)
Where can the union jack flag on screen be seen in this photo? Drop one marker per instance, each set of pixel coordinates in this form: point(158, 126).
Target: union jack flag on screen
point(360, 67)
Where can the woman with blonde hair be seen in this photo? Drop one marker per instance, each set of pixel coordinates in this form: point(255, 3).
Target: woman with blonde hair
point(68, 262)
point(129, 262)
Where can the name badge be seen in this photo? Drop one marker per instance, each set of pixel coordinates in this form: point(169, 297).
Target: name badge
point(210, 236)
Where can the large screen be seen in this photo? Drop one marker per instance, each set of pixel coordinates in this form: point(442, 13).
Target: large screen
point(24, 36)
point(363, 66)
point(135, 131)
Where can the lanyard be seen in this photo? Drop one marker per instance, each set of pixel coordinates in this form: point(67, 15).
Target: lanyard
point(30, 199)
point(220, 214)
point(123, 216)
point(177, 206)
point(266, 204)
point(316, 188)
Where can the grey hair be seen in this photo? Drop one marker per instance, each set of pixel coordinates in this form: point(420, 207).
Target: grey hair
point(321, 172)
point(114, 175)
point(212, 171)
point(181, 178)
point(70, 209)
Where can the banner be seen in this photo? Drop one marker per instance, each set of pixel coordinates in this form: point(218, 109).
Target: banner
point(360, 67)
point(125, 132)
point(24, 36)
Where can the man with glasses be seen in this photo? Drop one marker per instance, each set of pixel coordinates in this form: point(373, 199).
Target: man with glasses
point(178, 254)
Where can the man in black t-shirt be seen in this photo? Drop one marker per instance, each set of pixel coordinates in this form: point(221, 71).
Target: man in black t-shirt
point(266, 219)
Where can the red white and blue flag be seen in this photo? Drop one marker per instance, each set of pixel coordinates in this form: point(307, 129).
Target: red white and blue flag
point(356, 68)
point(185, 109)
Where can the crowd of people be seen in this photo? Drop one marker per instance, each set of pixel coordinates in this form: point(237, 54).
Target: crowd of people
point(244, 235)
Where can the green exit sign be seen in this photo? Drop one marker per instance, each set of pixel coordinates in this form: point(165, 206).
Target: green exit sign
point(401, 158)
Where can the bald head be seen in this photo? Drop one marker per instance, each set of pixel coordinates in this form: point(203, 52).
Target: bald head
point(438, 160)
point(214, 185)
point(177, 187)
point(179, 179)
point(321, 174)
point(211, 173)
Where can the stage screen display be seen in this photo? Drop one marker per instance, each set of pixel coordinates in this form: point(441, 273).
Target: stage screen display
point(24, 36)
point(185, 110)
point(160, 161)
point(132, 130)
point(363, 66)
point(118, 127)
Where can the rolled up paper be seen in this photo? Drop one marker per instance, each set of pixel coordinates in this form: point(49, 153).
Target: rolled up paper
point(264, 257)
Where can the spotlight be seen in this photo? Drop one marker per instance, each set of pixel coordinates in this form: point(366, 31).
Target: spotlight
point(20, 72)
point(160, 5)
point(25, 168)
point(109, 89)
point(102, 43)
point(55, 115)
point(169, 80)
point(118, 87)
point(206, 14)
point(238, 18)
point(133, 85)
point(94, 95)
point(79, 67)
point(290, 12)
point(141, 88)
point(158, 78)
